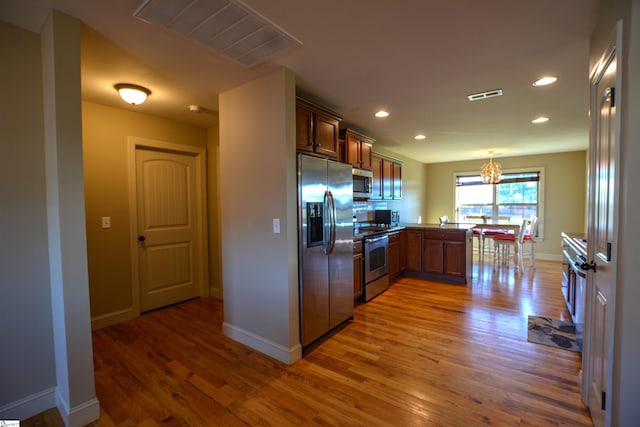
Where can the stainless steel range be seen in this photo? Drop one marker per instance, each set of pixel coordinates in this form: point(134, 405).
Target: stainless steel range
point(574, 273)
point(376, 265)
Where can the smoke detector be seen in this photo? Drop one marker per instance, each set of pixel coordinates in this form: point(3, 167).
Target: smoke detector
point(484, 95)
point(196, 109)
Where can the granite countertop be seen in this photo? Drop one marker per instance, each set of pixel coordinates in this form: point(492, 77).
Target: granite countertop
point(447, 226)
point(368, 231)
point(360, 233)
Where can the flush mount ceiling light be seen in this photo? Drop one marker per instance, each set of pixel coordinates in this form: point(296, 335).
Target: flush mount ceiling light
point(547, 80)
point(419, 136)
point(491, 172)
point(382, 114)
point(132, 94)
point(540, 120)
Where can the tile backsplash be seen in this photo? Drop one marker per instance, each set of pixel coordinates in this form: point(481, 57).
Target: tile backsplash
point(363, 210)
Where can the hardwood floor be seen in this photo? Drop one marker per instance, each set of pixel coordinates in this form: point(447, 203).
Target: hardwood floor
point(421, 354)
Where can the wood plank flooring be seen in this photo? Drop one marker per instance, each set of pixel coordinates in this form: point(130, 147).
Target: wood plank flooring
point(421, 354)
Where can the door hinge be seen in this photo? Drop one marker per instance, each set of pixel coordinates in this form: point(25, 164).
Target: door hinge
point(608, 251)
point(604, 400)
point(613, 97)
point(610, 93)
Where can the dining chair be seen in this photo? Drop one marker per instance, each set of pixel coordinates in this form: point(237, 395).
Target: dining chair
point(502, 244)
point(529, 239)
point(478, 233)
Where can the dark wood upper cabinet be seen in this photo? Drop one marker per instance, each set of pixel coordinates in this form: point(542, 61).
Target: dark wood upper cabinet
point(317, 129)
point(387, 178)
point(376, 168)
point(397, 180)
point(358, 148)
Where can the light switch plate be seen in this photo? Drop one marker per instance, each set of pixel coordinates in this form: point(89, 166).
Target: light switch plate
point(106, 222)
point(276, 225)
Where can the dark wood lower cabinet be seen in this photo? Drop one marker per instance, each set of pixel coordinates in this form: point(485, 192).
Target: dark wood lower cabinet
point(414, 251)
point(394, 256)
point(439, 254)
point(358, 265)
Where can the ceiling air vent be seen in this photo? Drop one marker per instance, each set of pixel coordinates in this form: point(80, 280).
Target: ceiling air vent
point(485, 95)
point(225, 26)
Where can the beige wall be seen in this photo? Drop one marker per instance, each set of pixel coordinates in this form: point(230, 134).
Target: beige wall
point(564, 189)
point(105, 133)
point(27, 363)
point(257, 184)
point(412, 206)
point(213, 202)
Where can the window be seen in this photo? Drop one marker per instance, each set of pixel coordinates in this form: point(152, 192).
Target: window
point(517, 197)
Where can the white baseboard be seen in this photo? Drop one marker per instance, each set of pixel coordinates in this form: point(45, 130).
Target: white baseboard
point(79, 415)
point(113, 318)
point(263, 345)
point(29, 406)
point(545, 257)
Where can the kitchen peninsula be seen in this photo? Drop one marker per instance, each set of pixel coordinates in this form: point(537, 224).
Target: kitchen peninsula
point(439, 252)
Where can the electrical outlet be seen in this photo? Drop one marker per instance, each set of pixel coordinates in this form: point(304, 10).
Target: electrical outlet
point(106, 222)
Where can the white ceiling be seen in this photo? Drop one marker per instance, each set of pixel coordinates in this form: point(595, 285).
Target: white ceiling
point(419, 59)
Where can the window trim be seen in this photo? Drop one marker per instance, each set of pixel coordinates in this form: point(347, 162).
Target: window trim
point(541, 193)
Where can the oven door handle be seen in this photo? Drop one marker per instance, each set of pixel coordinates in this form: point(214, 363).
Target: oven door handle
point(375, 239)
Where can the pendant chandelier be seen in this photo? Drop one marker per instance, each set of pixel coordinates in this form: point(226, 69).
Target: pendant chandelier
point(491, 172)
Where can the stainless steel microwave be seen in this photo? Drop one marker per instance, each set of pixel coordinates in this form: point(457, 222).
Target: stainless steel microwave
point(362, 184)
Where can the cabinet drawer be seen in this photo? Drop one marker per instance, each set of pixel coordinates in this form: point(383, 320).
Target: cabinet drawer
point(394, 237)
point(445, 235)
point(357, 247)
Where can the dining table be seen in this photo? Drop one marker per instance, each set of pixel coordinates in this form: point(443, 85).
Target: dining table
point(496, 224)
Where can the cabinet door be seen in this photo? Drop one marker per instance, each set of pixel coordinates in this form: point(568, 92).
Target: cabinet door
point(365, 154)
point(454, 258)
point(387, 179)
point(433, 259)
point(326, 135)
point(358, 265)
point(397, 181)
point(376, 167)
point(394, 259)
point(353, 150)
point(414, 250)
point(304, 129)
point(342, 157)
point(403, 250)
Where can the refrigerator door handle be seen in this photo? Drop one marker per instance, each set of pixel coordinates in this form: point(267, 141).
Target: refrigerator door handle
point(333, 222)
point(329, 236)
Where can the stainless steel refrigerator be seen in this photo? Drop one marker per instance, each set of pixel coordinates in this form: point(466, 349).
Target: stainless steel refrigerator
point(325, 245)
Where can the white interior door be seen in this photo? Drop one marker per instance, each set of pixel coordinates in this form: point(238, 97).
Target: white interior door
point(602, 214)
point(166, 199)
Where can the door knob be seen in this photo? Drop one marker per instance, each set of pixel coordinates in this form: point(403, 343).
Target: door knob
point(141, 238)
point(589, 266)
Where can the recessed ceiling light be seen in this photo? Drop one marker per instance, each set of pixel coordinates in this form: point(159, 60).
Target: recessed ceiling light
point(382, 114)
point(540, 120)
point(547, 80)
point(420, 136)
